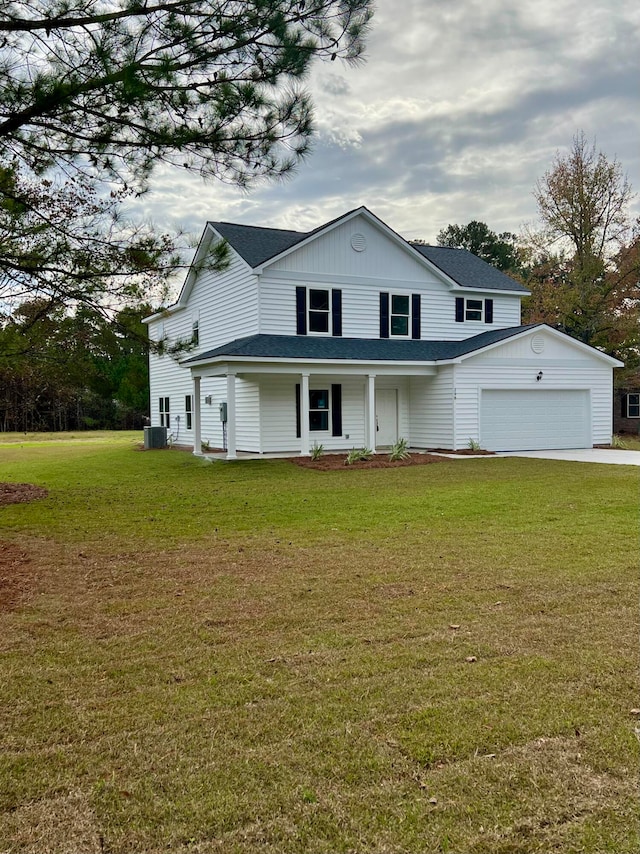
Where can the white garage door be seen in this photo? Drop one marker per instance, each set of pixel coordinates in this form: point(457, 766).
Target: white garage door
point(534, 420)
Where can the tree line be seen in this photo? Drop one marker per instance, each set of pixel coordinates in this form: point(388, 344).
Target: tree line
point(97, 93)
point(581, 260)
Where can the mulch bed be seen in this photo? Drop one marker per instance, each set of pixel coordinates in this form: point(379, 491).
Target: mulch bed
point(466, 452)
point(21, 493)
point(334, 462)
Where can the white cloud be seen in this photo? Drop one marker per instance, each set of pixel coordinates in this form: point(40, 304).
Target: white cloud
point(459, 108)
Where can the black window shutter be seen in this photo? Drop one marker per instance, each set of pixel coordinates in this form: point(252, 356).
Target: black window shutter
point(623, 404)
point(301, 311)
point(459, 309)
point(336, 312)
point(384, 315)
point(415, 316)
point(336, 410)
point(488, 311)
point(298, 430)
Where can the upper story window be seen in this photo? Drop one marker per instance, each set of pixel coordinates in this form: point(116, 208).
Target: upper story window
point(400, 315)
point(474, 310)
point(318, 311)
point(633, 406)
point(195, 332)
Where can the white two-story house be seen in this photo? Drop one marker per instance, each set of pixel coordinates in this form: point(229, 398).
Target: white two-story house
point(349, 336)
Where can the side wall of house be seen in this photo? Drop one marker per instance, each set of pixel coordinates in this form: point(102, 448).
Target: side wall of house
point(432, 410)
point(225, 306)
point(622, 423)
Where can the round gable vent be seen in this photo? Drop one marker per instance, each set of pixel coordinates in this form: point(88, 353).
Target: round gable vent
point(537, 343)
point(358, 242)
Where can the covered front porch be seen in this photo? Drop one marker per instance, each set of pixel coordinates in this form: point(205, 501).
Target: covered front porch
point(286, 409)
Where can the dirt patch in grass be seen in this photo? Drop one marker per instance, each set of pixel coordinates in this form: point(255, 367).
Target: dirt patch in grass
point(21, 493)
point(16, 576)
point(334, 462)
point(16, 570)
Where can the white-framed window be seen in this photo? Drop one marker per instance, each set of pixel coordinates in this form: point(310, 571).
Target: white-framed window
point(319, 410)
point(400, 315)
point(474, 309)
point(633, 406)
point(188, 410)
point(165, 415)
point(195, 331)
point(319, 311)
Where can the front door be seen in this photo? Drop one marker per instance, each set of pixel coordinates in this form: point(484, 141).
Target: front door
point(386, 417)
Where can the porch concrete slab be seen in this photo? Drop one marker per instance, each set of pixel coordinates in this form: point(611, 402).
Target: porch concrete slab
point(610, 456)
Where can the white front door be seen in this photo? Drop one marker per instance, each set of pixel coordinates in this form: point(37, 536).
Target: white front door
point(386, 417)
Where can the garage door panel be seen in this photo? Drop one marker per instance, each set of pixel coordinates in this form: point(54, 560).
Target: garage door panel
point(540, 419)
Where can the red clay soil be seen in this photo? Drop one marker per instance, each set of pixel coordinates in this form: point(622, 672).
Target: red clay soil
point(334, 462)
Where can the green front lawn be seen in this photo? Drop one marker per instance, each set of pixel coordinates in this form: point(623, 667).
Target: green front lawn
point(252, 656)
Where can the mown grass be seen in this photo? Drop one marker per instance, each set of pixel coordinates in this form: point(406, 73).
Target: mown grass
point(258, 657)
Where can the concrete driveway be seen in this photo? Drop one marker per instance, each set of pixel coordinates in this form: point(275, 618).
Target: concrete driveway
point(609, 456)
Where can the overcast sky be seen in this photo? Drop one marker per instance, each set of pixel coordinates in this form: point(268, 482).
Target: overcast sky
point(459, 108)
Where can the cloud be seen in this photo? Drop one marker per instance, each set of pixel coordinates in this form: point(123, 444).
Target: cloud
point(459, 108)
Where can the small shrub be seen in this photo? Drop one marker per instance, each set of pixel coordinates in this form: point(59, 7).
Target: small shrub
point(474, 445)
point(618, 442)
point(399, 451)
point(205, 445)
point(317, 451)
point(358, 455)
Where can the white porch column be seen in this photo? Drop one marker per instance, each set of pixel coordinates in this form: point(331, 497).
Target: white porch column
point(304, 415)
point(231, 416)
point(370, 427)
point(197, 420)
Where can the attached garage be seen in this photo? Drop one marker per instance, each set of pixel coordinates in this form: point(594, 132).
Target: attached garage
point(535, 419)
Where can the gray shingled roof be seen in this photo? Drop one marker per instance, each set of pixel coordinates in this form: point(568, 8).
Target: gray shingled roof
point(467, 269)
point(256, 245)
point(354, 349)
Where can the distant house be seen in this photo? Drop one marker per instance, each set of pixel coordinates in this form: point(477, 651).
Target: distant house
point(351, 336)
point(626, 408)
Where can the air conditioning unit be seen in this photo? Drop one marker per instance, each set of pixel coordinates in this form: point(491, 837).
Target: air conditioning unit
point(155, 437)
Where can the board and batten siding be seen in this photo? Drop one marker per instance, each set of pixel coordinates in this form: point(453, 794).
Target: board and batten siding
point(332, 254)
point(432, 410)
